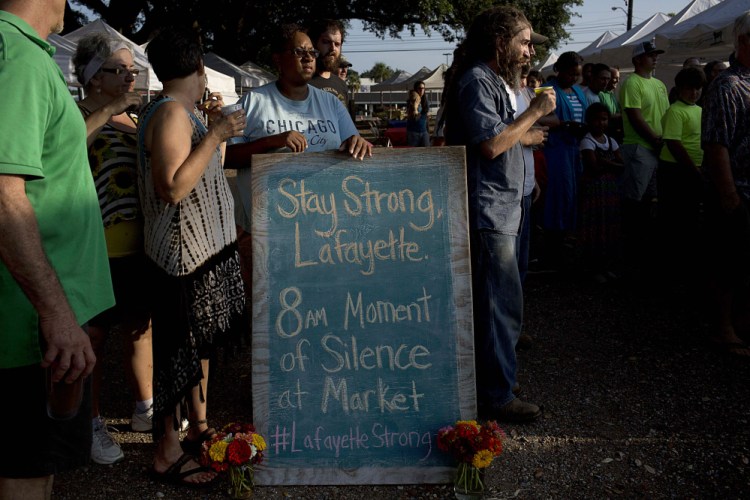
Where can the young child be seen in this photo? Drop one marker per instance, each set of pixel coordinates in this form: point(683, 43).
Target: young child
point(681, 185)
point(599, 197)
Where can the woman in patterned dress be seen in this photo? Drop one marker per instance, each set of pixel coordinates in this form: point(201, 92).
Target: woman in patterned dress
point(191, 244)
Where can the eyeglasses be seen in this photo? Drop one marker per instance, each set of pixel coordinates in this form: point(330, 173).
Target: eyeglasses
point(299, 52)
point(121, 71)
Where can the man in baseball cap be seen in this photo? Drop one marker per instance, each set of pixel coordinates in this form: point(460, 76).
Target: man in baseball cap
point(647, 48)
point(344, 66)
point(644, 101)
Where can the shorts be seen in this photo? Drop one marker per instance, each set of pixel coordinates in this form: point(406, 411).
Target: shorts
point(639, 175)
point(34, 445)
point(131, 299)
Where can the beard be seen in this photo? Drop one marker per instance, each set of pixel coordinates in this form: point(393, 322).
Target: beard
point(328, 62)
point(510, 69)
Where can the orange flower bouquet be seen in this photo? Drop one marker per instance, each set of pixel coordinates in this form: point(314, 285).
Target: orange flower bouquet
point(237, 448)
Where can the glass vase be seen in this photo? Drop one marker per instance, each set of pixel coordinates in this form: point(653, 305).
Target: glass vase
point(240, 481)
point(469, 482)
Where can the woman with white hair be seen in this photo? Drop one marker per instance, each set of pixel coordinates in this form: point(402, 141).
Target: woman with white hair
point(105, 68)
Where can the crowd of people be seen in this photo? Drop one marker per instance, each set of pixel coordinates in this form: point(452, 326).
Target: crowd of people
point(117, 220)
point(631, 185)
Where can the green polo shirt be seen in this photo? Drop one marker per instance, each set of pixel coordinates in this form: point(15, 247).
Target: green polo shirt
point(609, 99)
point(43, 137)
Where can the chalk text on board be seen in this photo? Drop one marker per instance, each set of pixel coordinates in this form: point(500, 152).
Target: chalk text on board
point(380, 436)
point(361, 253)
point(362, 198)
point(386, 400)
point(381, 311)
point(401, 358)
point(291, 314)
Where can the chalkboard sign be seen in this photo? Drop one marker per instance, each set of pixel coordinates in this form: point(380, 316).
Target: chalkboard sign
point(362, 328)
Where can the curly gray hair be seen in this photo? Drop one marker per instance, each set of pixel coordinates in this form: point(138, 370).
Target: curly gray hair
point(92, 51)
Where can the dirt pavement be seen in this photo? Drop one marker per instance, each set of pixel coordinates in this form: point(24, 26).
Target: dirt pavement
point(636, 406)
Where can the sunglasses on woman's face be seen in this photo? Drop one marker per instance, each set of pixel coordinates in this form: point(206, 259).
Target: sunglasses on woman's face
point(121, 71)
point(299, 52)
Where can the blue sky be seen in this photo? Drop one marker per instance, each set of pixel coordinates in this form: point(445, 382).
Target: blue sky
point(363, 50)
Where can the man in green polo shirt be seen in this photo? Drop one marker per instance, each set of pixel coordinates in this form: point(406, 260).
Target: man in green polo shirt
point(54, 274)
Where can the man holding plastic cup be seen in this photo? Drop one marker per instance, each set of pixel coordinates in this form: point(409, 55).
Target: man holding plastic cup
point(54, 274)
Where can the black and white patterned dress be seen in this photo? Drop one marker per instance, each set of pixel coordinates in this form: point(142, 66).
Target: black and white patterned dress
point(198, 297)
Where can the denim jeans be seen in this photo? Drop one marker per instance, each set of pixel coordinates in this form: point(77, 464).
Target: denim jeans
point(524, 239)
point(498, 314)
point(421, 139)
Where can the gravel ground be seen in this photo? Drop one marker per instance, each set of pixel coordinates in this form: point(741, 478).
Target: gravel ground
point(636, 406)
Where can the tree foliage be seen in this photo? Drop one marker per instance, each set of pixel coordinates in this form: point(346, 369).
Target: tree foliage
point(352, 80)
point(379, 72)
point(238, 30)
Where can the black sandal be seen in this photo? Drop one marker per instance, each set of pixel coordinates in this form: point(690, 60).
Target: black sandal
point(173, 475)
point(193, 446)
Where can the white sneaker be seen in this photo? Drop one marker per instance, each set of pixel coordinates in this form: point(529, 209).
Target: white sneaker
point(143, 422)
point(104, 449)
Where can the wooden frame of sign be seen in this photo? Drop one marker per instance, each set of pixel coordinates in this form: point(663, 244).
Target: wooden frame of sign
point(362, 314)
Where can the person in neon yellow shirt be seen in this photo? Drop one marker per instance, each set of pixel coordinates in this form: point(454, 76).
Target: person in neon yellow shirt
point(644, 101)
point(681, 185)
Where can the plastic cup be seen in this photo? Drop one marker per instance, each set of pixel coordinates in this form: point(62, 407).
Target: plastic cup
point(63, 399)
point(539, 90)
point(231, 108)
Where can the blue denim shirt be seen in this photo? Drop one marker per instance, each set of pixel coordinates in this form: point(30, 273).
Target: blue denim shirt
point(495, 186)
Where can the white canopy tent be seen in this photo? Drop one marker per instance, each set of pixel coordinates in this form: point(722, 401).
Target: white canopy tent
point(707, 35)
point(243, 80)
point(545, 66)
point(703, 29)
point(432, 78)
point(680, 21)
point(391, 83)
point(147, 80)
point(618, 52)
point(262, 76)
point(64, 51)
point(597, 44)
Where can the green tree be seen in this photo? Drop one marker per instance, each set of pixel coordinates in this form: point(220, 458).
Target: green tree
point(352, 80)
point(379, 72)
point(239, 30)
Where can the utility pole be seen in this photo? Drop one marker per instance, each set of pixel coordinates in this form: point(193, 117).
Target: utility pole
point(630, 14)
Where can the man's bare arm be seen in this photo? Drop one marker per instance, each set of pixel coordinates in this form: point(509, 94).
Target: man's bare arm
point(68, 346)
